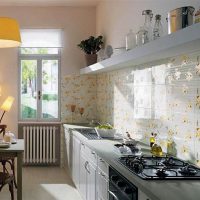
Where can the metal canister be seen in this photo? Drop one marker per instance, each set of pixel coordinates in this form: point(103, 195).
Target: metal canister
point(180, 18)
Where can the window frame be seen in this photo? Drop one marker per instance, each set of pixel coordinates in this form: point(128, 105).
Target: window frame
point(39, 58)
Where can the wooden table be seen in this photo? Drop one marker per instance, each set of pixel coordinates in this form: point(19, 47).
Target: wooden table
point(18, 149)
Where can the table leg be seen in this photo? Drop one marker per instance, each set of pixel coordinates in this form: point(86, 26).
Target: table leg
point(19, 176)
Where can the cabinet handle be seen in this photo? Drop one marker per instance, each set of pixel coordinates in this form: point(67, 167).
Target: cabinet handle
point(113, 194)
point(86, 164)
point(103, 175)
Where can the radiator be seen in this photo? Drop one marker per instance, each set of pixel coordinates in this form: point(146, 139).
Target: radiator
point(40, 144)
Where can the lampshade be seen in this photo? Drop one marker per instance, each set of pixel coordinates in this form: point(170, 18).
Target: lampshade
point(9, 33)
point(7, 104)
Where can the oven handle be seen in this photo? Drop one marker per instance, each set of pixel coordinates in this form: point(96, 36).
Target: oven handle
point(113, 194)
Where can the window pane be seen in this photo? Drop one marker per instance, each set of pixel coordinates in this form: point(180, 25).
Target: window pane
point(28, 89)
point(39, 50)
point(49, 89)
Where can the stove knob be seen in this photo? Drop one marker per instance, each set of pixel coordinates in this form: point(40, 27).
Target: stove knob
point(121, 184)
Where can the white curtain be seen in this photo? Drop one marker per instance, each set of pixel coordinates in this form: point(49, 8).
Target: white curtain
point(46, 38)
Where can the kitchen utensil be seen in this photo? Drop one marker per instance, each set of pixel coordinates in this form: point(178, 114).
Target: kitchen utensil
point(180, 18)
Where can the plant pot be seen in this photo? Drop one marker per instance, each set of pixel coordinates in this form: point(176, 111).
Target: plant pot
point(90, 59)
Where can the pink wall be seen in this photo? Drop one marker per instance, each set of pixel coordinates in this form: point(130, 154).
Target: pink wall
point(77, 23)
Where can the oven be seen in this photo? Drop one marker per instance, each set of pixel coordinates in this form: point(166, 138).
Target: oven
point(120, 188)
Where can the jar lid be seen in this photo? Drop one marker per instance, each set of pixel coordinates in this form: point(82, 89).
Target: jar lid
point(158, 17)
point(147, 12)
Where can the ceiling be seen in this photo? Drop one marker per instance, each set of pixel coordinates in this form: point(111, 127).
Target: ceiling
point(49, 2)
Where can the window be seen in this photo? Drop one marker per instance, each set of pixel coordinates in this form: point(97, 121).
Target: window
point(39, 80)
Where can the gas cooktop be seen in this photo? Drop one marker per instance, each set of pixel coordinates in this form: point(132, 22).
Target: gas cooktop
point(159, 168)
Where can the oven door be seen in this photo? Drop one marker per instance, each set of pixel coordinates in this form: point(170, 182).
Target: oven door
point(116, 194)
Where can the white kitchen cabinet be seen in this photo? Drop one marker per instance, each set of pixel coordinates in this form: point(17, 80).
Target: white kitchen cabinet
point(68, 148)
point(142, 196)
point(83, 177)
point(91, 181)
point(88, 173)
point(76, 161)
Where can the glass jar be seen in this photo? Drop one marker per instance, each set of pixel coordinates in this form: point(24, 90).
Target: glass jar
point(158, 29)
point(130, 40)
point(148, 23)
point(141, 37)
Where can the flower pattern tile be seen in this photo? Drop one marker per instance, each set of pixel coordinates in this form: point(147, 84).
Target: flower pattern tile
point(164, 98)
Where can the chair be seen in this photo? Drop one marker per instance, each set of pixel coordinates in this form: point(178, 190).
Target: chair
point(7, 178)
point(9, 158)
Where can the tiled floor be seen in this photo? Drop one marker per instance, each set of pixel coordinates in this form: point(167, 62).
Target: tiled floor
point(45, 183)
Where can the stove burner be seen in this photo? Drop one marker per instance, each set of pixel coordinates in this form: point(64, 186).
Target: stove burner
point(135, 163)
point(161, 172)
point(169, 161)
point(137, 167)
point(188, 170)
point(159, 168)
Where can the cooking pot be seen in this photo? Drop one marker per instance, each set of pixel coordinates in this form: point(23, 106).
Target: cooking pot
point(180, 18)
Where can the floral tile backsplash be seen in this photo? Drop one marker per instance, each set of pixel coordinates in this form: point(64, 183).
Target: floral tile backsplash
point(164, 99)
point(159, 98)
point(78, 93)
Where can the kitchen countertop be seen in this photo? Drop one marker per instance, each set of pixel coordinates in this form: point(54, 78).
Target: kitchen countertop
point(154, 189)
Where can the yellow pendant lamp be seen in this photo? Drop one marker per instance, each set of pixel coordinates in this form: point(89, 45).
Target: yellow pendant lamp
point(9, 33)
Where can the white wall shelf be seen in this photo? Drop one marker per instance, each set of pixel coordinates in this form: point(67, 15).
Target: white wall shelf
point(181, 42)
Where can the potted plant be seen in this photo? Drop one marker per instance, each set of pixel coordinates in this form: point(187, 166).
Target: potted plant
point(91, 46)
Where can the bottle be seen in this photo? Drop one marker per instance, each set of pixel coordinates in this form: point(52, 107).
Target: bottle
point(158, 29)
point(156, 149)
point(148, 23)
point(130, 40)
point(141, 37)
point(197, 16)
point(152, 140)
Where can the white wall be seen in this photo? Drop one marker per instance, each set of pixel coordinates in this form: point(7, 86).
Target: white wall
point(77, 23)
point(116, 17)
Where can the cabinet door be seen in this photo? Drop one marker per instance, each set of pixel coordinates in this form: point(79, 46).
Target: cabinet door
point(102, 185)
point(91, 181)
point(67, 148)
point(76, 161)
point(83, 178)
